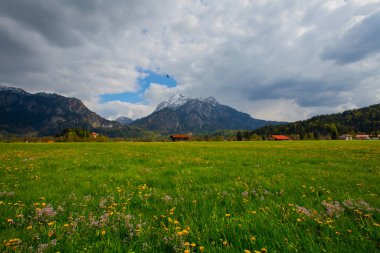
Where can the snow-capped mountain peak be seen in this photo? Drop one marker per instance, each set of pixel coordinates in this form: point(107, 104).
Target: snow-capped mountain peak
point(178, 100)
point(11, 89)
point(174, 102)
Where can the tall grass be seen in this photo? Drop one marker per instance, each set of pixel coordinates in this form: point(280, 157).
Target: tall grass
point(320, 196)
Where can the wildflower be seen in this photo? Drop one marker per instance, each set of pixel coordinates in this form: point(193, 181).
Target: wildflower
point(247, 251)
point(225, 243)
point(376, 224)
point(29, 228)
point(333, 208)
point(51, 223)
point(253, 238)
point(180, 233)
point(349, 231)
point(66, 225)
point(186, 251)
point(51, 233)
point(103, 232)
point(264, 250)
point(9, 220)
point(187, 244)
point(201, 248)
point(337, 233)
point(303, 210)
point(228, 215)
point(245, 194)
point(193, 245)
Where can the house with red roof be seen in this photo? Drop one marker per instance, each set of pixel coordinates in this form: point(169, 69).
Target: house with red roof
point(180, 137)
point(280, 137)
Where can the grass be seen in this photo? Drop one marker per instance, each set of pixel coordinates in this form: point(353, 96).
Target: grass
point(317, 196)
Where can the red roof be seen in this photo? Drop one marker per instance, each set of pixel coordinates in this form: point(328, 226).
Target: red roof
point(280, 137)
point(180, 136)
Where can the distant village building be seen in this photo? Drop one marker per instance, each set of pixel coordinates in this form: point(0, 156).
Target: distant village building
point(280, 137)
point(180, 137)
point(346, 137)
point(362, 137)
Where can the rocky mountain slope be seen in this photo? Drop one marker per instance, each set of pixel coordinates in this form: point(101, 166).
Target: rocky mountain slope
point(44, 114)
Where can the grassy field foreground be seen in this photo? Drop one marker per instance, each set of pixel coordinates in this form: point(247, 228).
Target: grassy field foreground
point(317, 196)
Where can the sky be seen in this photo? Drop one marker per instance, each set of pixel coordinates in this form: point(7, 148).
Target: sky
point(282, 60)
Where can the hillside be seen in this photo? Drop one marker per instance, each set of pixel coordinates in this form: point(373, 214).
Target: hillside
point(366, 120)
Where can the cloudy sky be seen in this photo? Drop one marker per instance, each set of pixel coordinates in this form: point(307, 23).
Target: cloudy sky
point(278, 60)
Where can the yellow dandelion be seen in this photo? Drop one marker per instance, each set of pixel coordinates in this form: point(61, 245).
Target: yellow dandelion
point(264, 250)
point(51, 223)
point(193, 245)
point(29, 228)
point(103, 232)
point(247, 251)
point(43, 204)
point(253, 238)
point(66, 225)
point(299, 220)
point(180, 233)
point(337, 233)
point(376, 224)
point(9, 220)
point(51, 233)
point(201, 248)
point(187, 244)
point(186, 251)
point(228, 215)
point(225, 243)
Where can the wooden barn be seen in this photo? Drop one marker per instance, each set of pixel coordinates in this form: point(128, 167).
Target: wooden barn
point(180, 137)
point(280, 138)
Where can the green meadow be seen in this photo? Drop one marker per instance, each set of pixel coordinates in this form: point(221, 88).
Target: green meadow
point(305, 196)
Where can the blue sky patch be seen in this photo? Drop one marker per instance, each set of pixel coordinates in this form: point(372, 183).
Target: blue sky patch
point(144, 83)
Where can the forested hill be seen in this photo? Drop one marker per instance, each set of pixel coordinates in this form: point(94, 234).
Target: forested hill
point(366, 120)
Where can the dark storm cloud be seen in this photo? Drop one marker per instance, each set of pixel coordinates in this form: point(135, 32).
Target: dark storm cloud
point(44, 17)
point(306, 93)
point(357, 43)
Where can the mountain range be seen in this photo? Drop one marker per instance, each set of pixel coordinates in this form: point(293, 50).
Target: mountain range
point(198, 115)
point(43, 114)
